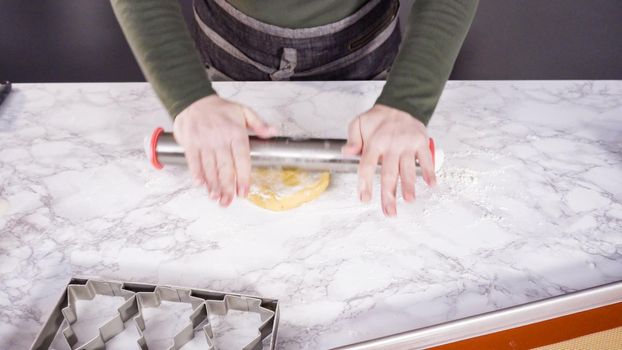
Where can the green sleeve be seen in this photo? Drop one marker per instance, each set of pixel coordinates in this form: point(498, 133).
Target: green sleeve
point(159, 38)
point(435, 32)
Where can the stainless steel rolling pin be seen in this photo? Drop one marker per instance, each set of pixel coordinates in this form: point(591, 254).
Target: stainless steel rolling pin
point(312, 154)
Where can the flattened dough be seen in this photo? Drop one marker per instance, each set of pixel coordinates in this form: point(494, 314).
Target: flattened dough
point(281, 189)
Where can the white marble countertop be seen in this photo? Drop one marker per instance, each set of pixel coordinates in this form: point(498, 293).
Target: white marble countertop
point(528, 206)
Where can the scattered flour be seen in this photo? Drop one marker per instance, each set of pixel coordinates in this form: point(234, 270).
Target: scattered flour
point(4, 207)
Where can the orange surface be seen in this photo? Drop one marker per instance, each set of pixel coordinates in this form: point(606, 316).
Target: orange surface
point(546, 332)
point(606, 340)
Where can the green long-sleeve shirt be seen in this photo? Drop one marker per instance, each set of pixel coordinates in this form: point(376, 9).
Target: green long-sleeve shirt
point(165, 51)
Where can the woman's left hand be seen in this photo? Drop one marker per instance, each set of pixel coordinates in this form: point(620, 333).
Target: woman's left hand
point(395, 139)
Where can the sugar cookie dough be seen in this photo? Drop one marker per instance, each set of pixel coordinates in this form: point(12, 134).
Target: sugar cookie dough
point(281, 189)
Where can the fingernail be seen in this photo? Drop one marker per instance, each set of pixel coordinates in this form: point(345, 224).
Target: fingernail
point(365, 196)
point(425, 176)
point(408, 197)
point(242, 191)
point(214, 195)
point(198, 182)
point(390, 210)
point(272, 130)
point(433, 181)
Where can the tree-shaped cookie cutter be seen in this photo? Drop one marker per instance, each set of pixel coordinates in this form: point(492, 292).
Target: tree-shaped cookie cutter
point(179, 295)
point(108, 330)
point(138, 296)
point(221, 306)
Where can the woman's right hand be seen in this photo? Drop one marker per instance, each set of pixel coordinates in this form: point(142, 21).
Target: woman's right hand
point(214, 135)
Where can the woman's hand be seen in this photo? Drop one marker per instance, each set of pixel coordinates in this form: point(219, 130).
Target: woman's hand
point(213, 133)
point(394, 138)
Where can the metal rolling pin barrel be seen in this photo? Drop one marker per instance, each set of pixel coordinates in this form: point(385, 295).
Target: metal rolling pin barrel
point(312, 154)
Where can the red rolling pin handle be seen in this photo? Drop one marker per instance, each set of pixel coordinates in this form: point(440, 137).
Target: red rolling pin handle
point(152, 147)
point(433, 151)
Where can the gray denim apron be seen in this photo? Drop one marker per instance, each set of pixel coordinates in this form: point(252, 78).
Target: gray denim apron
point(235, 46)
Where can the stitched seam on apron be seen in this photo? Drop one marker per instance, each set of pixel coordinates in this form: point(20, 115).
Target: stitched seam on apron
point(336, 64)
point(354, 56)
point(301, 33)
point(381, 76)
point(215, 75)
point(372, 31)
point(228, 47)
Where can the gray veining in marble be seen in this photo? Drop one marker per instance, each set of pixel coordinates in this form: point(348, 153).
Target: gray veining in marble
point(529, 205)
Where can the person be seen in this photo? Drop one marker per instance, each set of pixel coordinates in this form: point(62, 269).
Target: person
point(298, 40)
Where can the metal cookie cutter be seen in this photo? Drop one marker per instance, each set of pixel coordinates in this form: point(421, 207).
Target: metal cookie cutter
point(241, 303)
point(141, 295)
point(155, 298)
point(111, 328)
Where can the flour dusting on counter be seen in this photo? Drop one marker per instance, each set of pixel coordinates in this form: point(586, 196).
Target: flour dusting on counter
point(4, 207)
